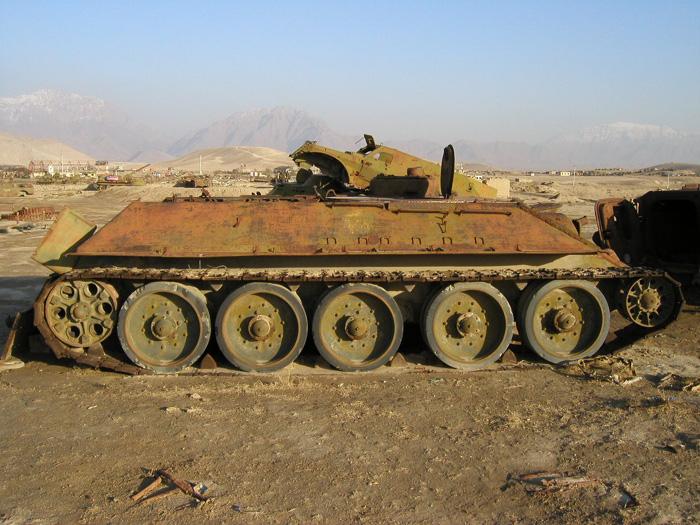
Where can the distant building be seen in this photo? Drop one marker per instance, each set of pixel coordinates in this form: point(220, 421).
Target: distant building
point(565, 174)
point(67, 168)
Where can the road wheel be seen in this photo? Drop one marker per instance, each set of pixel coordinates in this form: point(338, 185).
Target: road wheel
point(357, 327)
point(563, 320)
point(81, 313)
point(261, 327)
point(164, 326)
point(650, 302)
point(468, 325)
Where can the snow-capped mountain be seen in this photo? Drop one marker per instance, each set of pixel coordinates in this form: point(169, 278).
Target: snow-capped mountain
point(87, 123)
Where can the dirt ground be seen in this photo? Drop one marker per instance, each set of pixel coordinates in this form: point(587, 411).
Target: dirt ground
point(417, 443)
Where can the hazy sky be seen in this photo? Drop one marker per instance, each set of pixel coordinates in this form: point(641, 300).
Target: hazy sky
point(439, 70)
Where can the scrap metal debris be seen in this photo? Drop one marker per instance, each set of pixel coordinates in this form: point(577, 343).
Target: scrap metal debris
point(25, 214)
point(20, 326)
point(548, 482)
point(678, 383)
point(615, 369)
point(164, 479)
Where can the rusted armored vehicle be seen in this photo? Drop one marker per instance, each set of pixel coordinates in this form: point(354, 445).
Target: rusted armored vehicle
point(374, 170)
point(660, 229)
point(260, 275)
point(194, 181)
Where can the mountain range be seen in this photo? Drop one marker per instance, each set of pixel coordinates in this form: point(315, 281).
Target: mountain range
point(95, 127)
point(88, 124)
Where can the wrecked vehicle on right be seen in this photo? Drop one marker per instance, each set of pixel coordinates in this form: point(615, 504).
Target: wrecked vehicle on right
point(659, 229)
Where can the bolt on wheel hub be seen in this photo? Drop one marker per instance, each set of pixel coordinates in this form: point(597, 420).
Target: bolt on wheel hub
point(260, 327)
point(564, 320)
point(356, 328)
point(469, 324)
point(163, 327)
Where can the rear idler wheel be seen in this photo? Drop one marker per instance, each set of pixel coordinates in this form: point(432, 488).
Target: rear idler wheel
point(164, 326)
point(261, 327)
point(357, 327)
point(563, 320)
point(468, 325)
point(650, 302)
point(81, 313)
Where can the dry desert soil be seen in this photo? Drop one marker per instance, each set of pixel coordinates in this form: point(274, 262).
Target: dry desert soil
point(417, 443)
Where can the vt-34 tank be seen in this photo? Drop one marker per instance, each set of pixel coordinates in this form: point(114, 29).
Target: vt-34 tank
point(260, 275)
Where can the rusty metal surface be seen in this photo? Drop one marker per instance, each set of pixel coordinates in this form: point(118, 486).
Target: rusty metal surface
point(41, 213)
point(69, 230)
point(360, 169)
point(342, 275)
point(309, 226)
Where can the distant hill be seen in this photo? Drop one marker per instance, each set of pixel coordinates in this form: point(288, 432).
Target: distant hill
point(281, 128)
point(151, 155)
point(676, 166)
point(17, 150)
point(227, 159)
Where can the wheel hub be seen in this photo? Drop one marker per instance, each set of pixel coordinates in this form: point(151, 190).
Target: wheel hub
point(80, 311)
point(260, 327)
point(163, 327)
point(564, 320)
point(356, 328)
point(650, 301)
point(469, 324)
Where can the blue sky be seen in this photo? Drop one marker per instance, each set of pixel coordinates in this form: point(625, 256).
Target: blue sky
point(439, 70)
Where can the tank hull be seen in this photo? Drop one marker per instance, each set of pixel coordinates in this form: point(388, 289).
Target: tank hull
point(312, 227)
